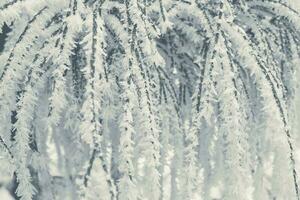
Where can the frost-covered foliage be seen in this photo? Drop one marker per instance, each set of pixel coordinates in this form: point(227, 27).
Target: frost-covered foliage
point(150, 100)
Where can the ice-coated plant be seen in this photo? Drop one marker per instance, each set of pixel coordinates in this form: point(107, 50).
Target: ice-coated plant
point(150, 99)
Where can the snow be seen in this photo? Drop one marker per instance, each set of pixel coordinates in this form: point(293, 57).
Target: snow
point(4, 194)
point(215, 192)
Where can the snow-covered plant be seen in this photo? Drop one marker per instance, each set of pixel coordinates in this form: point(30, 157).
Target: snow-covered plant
point(150, 100)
